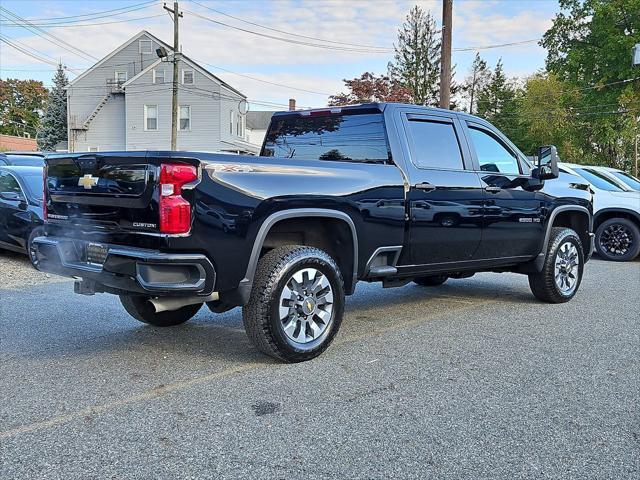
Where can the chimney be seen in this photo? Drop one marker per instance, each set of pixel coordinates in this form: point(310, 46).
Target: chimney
point(292, 104)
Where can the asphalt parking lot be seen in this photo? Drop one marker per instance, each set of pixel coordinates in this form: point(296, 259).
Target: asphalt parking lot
point(474, 379)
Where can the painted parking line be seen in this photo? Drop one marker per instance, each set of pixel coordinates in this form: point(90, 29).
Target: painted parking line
point(164, 390)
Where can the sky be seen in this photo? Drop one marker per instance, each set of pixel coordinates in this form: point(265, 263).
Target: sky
point(306, 72)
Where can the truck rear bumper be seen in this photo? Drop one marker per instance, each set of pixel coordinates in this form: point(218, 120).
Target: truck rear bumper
point(117, 269)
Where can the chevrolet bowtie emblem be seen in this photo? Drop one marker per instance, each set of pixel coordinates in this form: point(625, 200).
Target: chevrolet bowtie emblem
point(87, 181)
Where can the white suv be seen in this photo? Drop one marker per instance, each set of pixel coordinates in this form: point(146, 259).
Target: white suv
point(616, 213)
point(622, 178)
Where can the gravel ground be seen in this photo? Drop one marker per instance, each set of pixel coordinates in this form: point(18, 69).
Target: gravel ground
point(16, 271)
point(470, 380)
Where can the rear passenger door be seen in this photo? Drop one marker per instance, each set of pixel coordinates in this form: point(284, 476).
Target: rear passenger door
point(512, 214)
point(445, 194)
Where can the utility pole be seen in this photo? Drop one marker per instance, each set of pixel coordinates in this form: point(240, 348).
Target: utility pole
point(176, 15)
point(445, 56)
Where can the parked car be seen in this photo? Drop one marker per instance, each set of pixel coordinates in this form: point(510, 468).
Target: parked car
point(25, 159)
point(616, 214)
point(288, 234)
point(21, 215)
point(621, 177)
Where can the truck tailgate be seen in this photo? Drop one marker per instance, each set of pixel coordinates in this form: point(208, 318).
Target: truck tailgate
point(111, 191)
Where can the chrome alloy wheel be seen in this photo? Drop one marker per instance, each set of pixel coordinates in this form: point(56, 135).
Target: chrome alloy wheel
point(567, 268)
point(616, 239)
point(305, 305)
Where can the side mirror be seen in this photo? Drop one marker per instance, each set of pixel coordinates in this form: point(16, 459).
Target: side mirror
point(547, 167)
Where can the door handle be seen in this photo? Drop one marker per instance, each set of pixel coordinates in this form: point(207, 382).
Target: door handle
point(492, 189)
point(426, 187)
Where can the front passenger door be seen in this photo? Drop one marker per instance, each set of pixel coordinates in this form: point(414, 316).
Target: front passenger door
point(512, 214)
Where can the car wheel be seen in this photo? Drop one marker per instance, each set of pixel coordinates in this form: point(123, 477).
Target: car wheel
point(296, 303)
point(31, 251)
point(618, 239)
point(430, 281)
point(143, 310)
point(561, 274)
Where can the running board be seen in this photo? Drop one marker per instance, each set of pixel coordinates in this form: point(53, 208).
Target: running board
point(382, 271)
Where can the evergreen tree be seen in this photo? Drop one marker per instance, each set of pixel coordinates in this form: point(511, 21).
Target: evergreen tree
point(53, 128)
point(416, 64)
point(497, 100)
point(476, 80)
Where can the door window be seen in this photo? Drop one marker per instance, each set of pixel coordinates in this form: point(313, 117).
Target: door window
point(493, 156)
point(9, 185)
point(435, 145)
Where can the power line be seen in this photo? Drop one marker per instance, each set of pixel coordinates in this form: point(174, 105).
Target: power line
point(292, 34)
point(76, 25)
point(128, 8)
point(26, 52)
point(286, 40)
point(42, 33)
point(499, 45)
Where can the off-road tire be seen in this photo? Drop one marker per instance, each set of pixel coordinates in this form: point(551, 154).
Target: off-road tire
point(431, 280)
point(543, 284)
point(141, 309)
point(260, 315)
point(631, 229)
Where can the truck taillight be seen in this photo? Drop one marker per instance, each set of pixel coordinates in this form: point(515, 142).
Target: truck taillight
point(175, 211)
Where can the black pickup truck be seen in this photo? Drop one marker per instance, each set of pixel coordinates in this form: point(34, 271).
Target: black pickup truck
point(377, 192)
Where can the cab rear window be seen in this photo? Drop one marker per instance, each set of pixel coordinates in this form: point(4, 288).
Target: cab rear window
point(345, 137)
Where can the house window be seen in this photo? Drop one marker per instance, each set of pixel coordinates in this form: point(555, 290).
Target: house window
point(150, 117)
point(185, 117)
point(187, 77)
point(145, 46)
point(158, 75)
point(121, 77)
point(93, 149)
point(231, 121)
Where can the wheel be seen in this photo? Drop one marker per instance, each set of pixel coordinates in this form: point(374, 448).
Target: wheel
point(561, 274)
point(36, 232)
point(431, 281)
point(618, 239)
point(296, 303)
point(143, 310)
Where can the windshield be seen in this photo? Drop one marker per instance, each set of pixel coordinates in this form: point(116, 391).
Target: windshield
point(629, 180)
point(347, 137)
point(33, 182)
point(599, 180)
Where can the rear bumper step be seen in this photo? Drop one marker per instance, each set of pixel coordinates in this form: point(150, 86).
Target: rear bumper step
point(117, 269)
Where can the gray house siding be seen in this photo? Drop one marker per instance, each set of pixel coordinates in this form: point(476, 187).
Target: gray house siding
point(107, 130)
point(86, 93)
point(202, 97)
point(105, 116)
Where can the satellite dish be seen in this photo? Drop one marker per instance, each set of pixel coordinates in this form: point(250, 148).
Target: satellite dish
point(243, 107)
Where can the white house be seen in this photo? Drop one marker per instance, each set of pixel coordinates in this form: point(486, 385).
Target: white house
point(123, 102)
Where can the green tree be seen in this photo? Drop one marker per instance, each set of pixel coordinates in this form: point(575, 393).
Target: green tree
point(21, 104)
point(54, 122)
point(477, 78)
point(497, 101)
point(589, 47)
point(545, 115)
point(416, 63)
